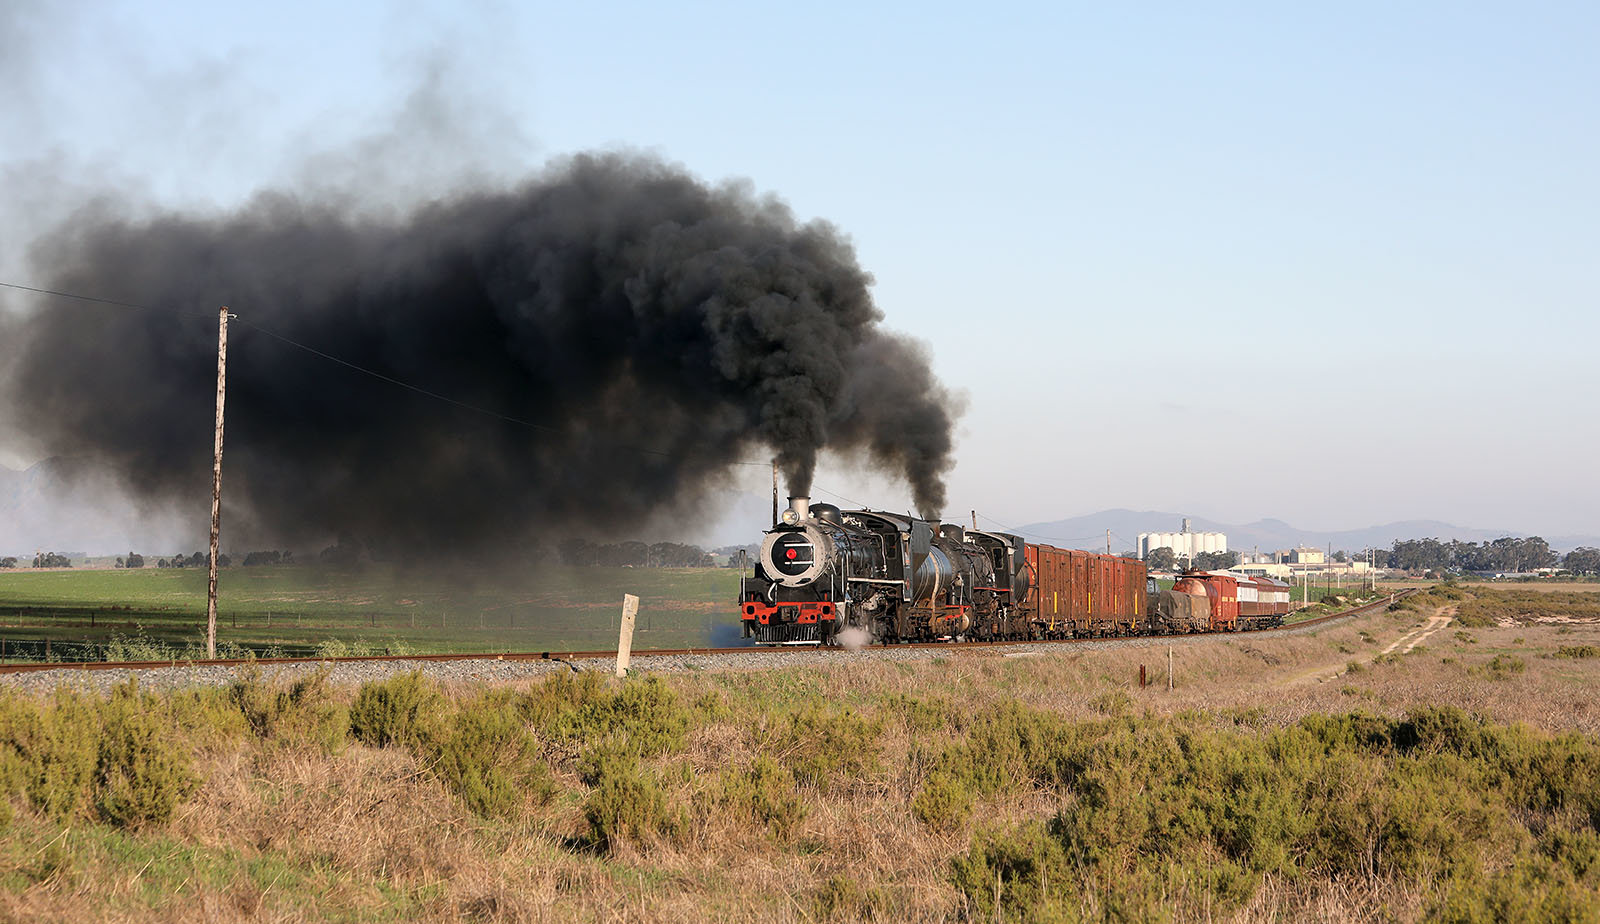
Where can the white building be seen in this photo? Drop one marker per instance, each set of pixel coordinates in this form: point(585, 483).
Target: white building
point(1184, 544)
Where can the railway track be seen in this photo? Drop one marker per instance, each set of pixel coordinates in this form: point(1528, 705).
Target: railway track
point(573, 656)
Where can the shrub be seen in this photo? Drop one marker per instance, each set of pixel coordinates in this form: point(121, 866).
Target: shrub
point(766, 795)
point(1577, 651)
point(299, 715)
point(1504, 667)
point(395, 711)
point(920, 715)
point(712, 706)
point(50, 751)
point(646, 715)
point(822, 743)
point(627, 804)
point(843, 899)
point(142, 773)
point(944, 802)
point(485, 753)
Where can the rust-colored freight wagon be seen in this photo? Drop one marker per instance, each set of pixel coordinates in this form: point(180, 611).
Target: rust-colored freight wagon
point(1050, 597)
point(1077, 593)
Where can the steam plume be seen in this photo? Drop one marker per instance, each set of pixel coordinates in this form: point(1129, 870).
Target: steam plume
point(646, 329)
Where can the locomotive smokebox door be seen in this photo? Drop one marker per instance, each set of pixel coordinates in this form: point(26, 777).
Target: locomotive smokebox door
point(796, 557)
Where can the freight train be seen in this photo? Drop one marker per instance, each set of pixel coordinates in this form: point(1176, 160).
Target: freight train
point(828, 576)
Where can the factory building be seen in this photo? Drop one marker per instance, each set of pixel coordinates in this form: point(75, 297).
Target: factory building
point(1184, 544)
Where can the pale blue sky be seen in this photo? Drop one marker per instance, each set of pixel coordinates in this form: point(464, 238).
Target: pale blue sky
point(1109, 223)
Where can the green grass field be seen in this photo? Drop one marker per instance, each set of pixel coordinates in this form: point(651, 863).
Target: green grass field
point(296, 608)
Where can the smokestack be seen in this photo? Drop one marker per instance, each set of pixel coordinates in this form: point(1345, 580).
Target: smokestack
point(801, 504)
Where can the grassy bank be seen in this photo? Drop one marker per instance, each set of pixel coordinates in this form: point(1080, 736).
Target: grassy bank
point(1280, 778)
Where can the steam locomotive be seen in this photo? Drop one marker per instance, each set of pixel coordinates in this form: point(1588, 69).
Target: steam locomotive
point(822, 571)
point(826, 576)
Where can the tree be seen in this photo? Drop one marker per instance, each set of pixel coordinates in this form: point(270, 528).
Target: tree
point(10, 561)
point(1582, 560)
point(1215, 561)
point(1341, 556)
point(134, 560)
point(1161, 559)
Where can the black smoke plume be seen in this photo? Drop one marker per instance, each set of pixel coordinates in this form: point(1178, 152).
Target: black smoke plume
point(636, 331)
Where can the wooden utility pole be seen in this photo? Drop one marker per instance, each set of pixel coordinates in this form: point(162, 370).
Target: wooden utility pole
point(216, 482)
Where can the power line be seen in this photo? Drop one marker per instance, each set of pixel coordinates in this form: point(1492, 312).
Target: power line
point(105, 301)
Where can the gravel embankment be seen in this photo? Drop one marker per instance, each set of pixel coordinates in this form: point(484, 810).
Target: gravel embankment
point(491, 671)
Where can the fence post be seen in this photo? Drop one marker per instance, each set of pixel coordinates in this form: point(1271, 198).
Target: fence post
point(1169, 667)
point(630, 611)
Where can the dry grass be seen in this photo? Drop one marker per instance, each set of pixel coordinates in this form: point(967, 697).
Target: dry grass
point(296, 833)
point(1576, 587)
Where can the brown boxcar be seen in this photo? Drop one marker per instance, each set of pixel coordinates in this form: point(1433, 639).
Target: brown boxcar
point(1081, 593)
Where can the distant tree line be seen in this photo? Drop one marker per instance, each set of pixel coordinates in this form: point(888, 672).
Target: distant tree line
point(268, 557)
point(51, 560)
point(583, 553)
point(1164, 559)
point(730, 553)
point(134, 560)
point(197, 560)
point(1506, 554)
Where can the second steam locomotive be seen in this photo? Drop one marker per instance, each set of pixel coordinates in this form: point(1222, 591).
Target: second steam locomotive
point(826, 575)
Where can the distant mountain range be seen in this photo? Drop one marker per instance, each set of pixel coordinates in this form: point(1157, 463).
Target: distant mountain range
point(1088, 532)
point(66, 505)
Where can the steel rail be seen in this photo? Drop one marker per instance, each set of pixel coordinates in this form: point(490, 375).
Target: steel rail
point(570, 656)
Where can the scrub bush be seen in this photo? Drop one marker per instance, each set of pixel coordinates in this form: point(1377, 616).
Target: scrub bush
point(764, 794)
point(627, 804)
point(1577, 651)
point(485, 753)
point(822, 743)
point(142, 772)
point(397, 710)
point(301, 714)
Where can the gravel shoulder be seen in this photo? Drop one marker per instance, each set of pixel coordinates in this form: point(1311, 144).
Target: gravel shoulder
point(354, 673)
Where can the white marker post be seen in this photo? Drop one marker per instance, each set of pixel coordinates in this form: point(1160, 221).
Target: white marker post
point(630, 612)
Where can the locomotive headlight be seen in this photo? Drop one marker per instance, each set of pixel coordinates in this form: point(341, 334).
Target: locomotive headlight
point(790, 517)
